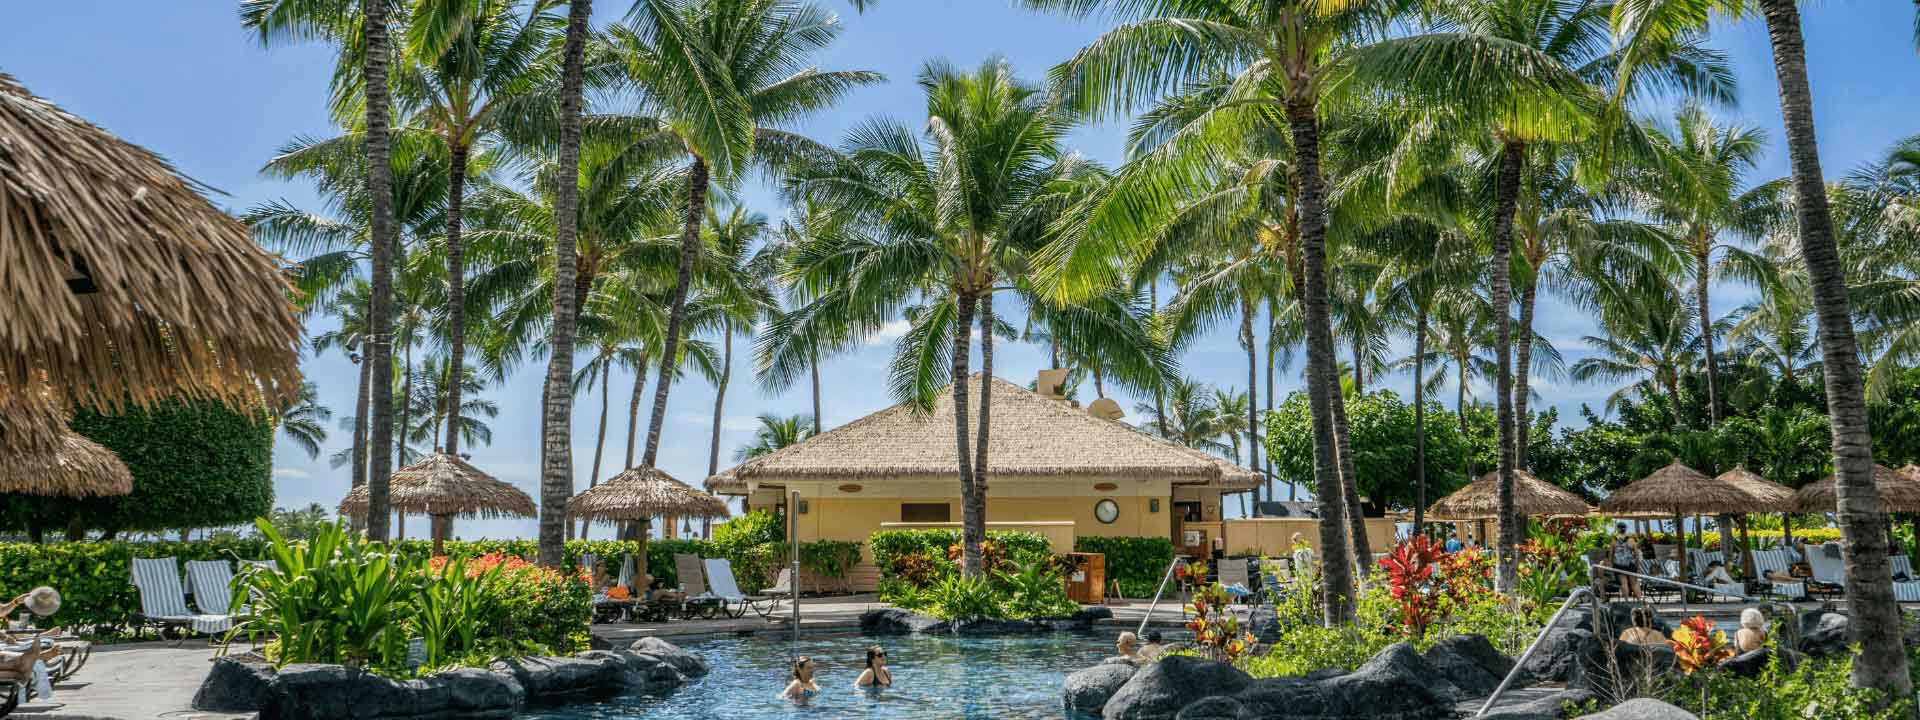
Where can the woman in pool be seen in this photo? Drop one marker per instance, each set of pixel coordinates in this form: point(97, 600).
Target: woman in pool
point(802, 688)
point(876, 675)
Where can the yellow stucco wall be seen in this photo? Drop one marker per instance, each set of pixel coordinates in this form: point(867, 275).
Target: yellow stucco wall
point(1272, 537)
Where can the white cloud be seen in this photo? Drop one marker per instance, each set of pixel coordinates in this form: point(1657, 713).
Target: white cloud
point(295, 473)
point(889, 332)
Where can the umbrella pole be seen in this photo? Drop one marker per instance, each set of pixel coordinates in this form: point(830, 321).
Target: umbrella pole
point(1680, 541)
point(442, 529)
point(1746, 549)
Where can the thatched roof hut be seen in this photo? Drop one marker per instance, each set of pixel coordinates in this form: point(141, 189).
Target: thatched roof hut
point(641, 493)
point(444, 487)
point(1677, 490)
point(1768, 496)
point(1533, 497)
point(1899, 492)
point(1034, 438)
point(70, 466)
point(122, 282)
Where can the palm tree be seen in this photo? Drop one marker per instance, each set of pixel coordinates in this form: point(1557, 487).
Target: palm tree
point(1882, 661)
point(304, 421)
point(950, 216)
point(1772, 332)
point(431, 399)
point(791, 341)
point(349, 307)
point(723, 75)
point(1193, 418)
point(742, 273)
point(556, 420)
point(1649, 340)
point(775, 432)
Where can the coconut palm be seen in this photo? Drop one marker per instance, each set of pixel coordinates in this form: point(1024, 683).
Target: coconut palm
point(775, 432)
point(1882, 661)
point(1773, 332)
point(792, 340)
point(742, 275)
point(556, 419)
point(727, 77)
point(349, 308)
point(1193, 418)
point(1648, 340)
point(304, 421)
point(430, 397)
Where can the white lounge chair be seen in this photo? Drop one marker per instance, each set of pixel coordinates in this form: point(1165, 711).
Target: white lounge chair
point(630, 576)
point(1902, 565)
point(164, 603)
point(723, 587)
point(212, 583)
point(1829, 572)
point(1765, 561)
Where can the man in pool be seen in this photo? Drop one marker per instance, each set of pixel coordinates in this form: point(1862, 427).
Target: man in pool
point(876, 675)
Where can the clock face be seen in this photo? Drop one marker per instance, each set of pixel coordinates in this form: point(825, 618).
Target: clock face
point(1106, 511)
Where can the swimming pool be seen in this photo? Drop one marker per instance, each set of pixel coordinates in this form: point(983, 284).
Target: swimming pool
point(934, 677)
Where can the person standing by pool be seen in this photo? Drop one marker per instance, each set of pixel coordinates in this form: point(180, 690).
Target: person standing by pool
point(802, 688)
point(876, 675)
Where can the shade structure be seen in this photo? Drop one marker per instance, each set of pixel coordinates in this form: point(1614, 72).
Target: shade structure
point(1532, 497)
point(1768, 496)
point(641, 493)
point(122, 283)
point(1899, 492)
point(68, 465)
point(445, 485)
point(1677, 490)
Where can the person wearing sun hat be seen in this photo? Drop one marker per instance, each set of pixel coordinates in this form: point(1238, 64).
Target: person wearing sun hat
point(28, 660)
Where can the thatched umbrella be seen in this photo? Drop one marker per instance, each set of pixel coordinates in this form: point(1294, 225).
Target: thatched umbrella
point(1678, 491)
point(443, 487)
point(1898, 492)
point(640, 494)
point(121, 282)
point(1532, 497)
point(1768, 496)
point(70, 466)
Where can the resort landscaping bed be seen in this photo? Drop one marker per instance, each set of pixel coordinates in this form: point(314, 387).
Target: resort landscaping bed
point(883, 621)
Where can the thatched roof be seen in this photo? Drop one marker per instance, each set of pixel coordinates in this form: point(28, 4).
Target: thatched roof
point(121, 282)
point(442, 484)
point(69, 466)
point(1677, 490)
point(1034, 436)
point(1768, 496)
point(1532, 497)
point(1899, 492)
point(644, 492)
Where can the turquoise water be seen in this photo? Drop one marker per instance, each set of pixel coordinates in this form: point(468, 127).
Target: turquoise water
point(934, 678)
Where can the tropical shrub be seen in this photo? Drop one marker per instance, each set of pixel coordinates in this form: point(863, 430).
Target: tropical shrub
point(1414, 581)
point(830, 559)
point(890, 545)
point(1817, 687)
point(1035, 589)
point(1136, 563)
point(1216, 632)
point(961, 597)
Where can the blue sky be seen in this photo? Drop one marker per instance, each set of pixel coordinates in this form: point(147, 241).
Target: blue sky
point(185, 80)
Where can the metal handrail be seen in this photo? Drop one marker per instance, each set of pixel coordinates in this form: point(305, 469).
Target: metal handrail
point(1535, 645)
point(1177, 559)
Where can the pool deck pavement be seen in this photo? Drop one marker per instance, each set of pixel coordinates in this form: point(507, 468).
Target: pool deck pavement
point(149, 680)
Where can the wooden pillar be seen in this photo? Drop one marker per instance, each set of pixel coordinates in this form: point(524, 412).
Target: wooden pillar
point(442, 529)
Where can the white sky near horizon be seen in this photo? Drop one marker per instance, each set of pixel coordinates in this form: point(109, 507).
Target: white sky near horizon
point(186, 81)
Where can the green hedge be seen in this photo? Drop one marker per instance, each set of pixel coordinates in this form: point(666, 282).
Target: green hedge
point(1136, 563)
point(889, 545)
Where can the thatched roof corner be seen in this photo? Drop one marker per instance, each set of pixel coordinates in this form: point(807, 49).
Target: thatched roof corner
point(645, 492)
point(1899, 492)
point(122, 283)
point(1034, 436)
point(1768, 496)
point(1677, 490)
point(71, 466)
point(442, 484)
point(1532, 497)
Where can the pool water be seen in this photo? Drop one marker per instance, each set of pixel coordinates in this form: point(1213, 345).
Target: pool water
point(933, 678)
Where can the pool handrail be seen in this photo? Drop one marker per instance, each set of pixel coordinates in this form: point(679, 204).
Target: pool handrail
point(1164, 579)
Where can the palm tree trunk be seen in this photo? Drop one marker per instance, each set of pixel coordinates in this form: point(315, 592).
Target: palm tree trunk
point(1099, 382)
point(456, 291)
point(972, 527)
point(720, 397)
point(1268, 489)
point(360, 435)
point(1460, 411)
point(813, 368)
point(677, 312)
point(1702, 268)
point(1506, 201)
point(1522, 372)
point(406, 403)
point(383, 236)
point(556, 420)
point(1420, 418)
point(975, 512)
point(1359, 377)
point(600, 438)
point(1350, 486)
point(1159, 386)
point(633, 410)
point(1247, 310)
point(1882, 662)
point(1310, 198)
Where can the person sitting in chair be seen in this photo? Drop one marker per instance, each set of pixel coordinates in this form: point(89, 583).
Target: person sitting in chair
point(1753, 631)
point(1717, 574)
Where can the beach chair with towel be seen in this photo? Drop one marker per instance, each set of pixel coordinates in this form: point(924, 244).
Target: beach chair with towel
point(1765, 561)
point(1233, 579)
point(1908, 589)
point(700, 602)
point(1829, 572)
point(163, 602)
point(722, 587)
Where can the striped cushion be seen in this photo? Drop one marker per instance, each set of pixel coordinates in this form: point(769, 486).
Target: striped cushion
point(1906, 591)
point(161, 597)
point(212, 585)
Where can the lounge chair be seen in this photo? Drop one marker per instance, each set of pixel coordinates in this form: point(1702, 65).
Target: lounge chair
point(1829, 573)
point(212, 583)
point(700, 602)
point(163, 603)
point(1233, 578)
point(1765, 561)
point(723, 588)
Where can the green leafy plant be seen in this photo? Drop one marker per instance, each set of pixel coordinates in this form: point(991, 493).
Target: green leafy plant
point(960, 597)
point(331, 599)
point(889, 545)
point(1035, 589)
point(1135, 563)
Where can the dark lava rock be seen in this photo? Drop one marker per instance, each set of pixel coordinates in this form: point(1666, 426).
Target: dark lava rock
point(1162, 688)
point(324, 692)
point(1559, 652)
point(1324, 674)
point(895, 620)
point(1550, 706)
point(234, 686)
point(1642, 709)
point(1087, 690)
point(687, 663)
point(546, 678)
point(1284, 698)
point(1824, 632)
point(1630, 671)
point(1395, 683)
point(1751, 664)
point(1264, 622)
point(991, 626)
point(472, 692)
point(1219, 707)
point(1093, 613)
point(1470, 662)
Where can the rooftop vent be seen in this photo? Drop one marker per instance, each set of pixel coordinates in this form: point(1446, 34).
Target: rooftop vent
point(1106, 409)
point(1052, 383)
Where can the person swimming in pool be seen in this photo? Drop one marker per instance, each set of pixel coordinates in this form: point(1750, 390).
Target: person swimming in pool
point(802, 688)
point(876, 675)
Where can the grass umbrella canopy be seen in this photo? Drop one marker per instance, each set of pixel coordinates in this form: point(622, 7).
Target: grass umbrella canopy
point(122, 282)
point(1533, 497)
point(641, 493)
point(445, 485)
point(1899, 492)
point(1768, 496)
point(70, 465)
point(1677, 490)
